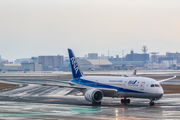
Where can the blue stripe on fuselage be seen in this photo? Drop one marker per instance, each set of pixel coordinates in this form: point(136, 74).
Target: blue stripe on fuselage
point(100, 85)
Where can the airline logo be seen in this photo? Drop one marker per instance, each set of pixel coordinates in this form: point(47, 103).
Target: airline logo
point(74, 64)
point(133, 82)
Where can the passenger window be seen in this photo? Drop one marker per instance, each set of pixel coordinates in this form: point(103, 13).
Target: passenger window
point(152, 85)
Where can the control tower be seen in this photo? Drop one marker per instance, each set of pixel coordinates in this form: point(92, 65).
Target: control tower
point(144, 49)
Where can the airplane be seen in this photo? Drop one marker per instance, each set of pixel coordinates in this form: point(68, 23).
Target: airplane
point(97, 87)
point(94, 88)
point(132, 75)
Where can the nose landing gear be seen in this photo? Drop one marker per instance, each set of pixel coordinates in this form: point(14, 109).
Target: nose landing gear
point(151, 103)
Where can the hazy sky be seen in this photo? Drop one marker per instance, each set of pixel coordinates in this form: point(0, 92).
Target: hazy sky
point(48, 27)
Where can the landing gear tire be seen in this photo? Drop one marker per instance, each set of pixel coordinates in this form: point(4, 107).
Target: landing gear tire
point(125, 101)
point(122, 100)
point(128, 100)
point(151, 103)
point(96, 103)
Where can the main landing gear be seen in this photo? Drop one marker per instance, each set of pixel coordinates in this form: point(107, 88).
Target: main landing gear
point(96, 103)
point(125, 101)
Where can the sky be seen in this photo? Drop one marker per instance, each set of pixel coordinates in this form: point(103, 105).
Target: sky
point(48, 27)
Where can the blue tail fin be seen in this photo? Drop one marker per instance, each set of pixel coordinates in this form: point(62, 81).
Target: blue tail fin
point(76, 71)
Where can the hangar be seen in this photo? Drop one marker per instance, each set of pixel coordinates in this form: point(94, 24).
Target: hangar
point(94, 64)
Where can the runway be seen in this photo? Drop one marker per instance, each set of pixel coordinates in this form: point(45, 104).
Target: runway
point(46, 102)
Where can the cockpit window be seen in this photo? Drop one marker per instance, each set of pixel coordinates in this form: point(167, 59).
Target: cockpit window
point(155, 85)
point(152, 85)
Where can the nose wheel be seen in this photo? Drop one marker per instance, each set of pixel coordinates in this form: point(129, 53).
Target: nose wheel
point(151, 103)
point(125, 101)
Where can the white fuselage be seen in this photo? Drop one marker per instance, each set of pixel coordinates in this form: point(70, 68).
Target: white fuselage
point(139, 87)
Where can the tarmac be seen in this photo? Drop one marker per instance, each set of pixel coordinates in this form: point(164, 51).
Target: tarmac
point(46, 102)
point(32, 101)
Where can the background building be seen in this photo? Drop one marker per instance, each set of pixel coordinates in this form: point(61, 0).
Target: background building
point(175, 56)
point(94, 64)
point(92, 55)
point(51, 62)
point(33, 66)
point(131, 59)
point(137, 57)
point(23, 60)
point(165, 59)
point(10, 67)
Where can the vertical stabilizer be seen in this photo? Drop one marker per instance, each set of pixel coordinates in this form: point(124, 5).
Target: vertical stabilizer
point(135, 72)
point(76, 71)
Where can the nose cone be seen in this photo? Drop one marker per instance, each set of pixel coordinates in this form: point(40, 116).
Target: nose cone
point(160, 92)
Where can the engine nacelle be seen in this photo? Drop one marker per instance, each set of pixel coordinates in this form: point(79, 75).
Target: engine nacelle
point(94, 95)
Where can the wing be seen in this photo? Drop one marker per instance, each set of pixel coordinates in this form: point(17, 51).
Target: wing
point(166, 79)
point(106, 92)
point(50, 84)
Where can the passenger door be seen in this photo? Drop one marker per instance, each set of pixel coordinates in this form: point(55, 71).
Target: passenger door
point(125, 84)
point(142, 86)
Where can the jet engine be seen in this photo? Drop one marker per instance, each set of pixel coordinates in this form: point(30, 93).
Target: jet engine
point(94, 95)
